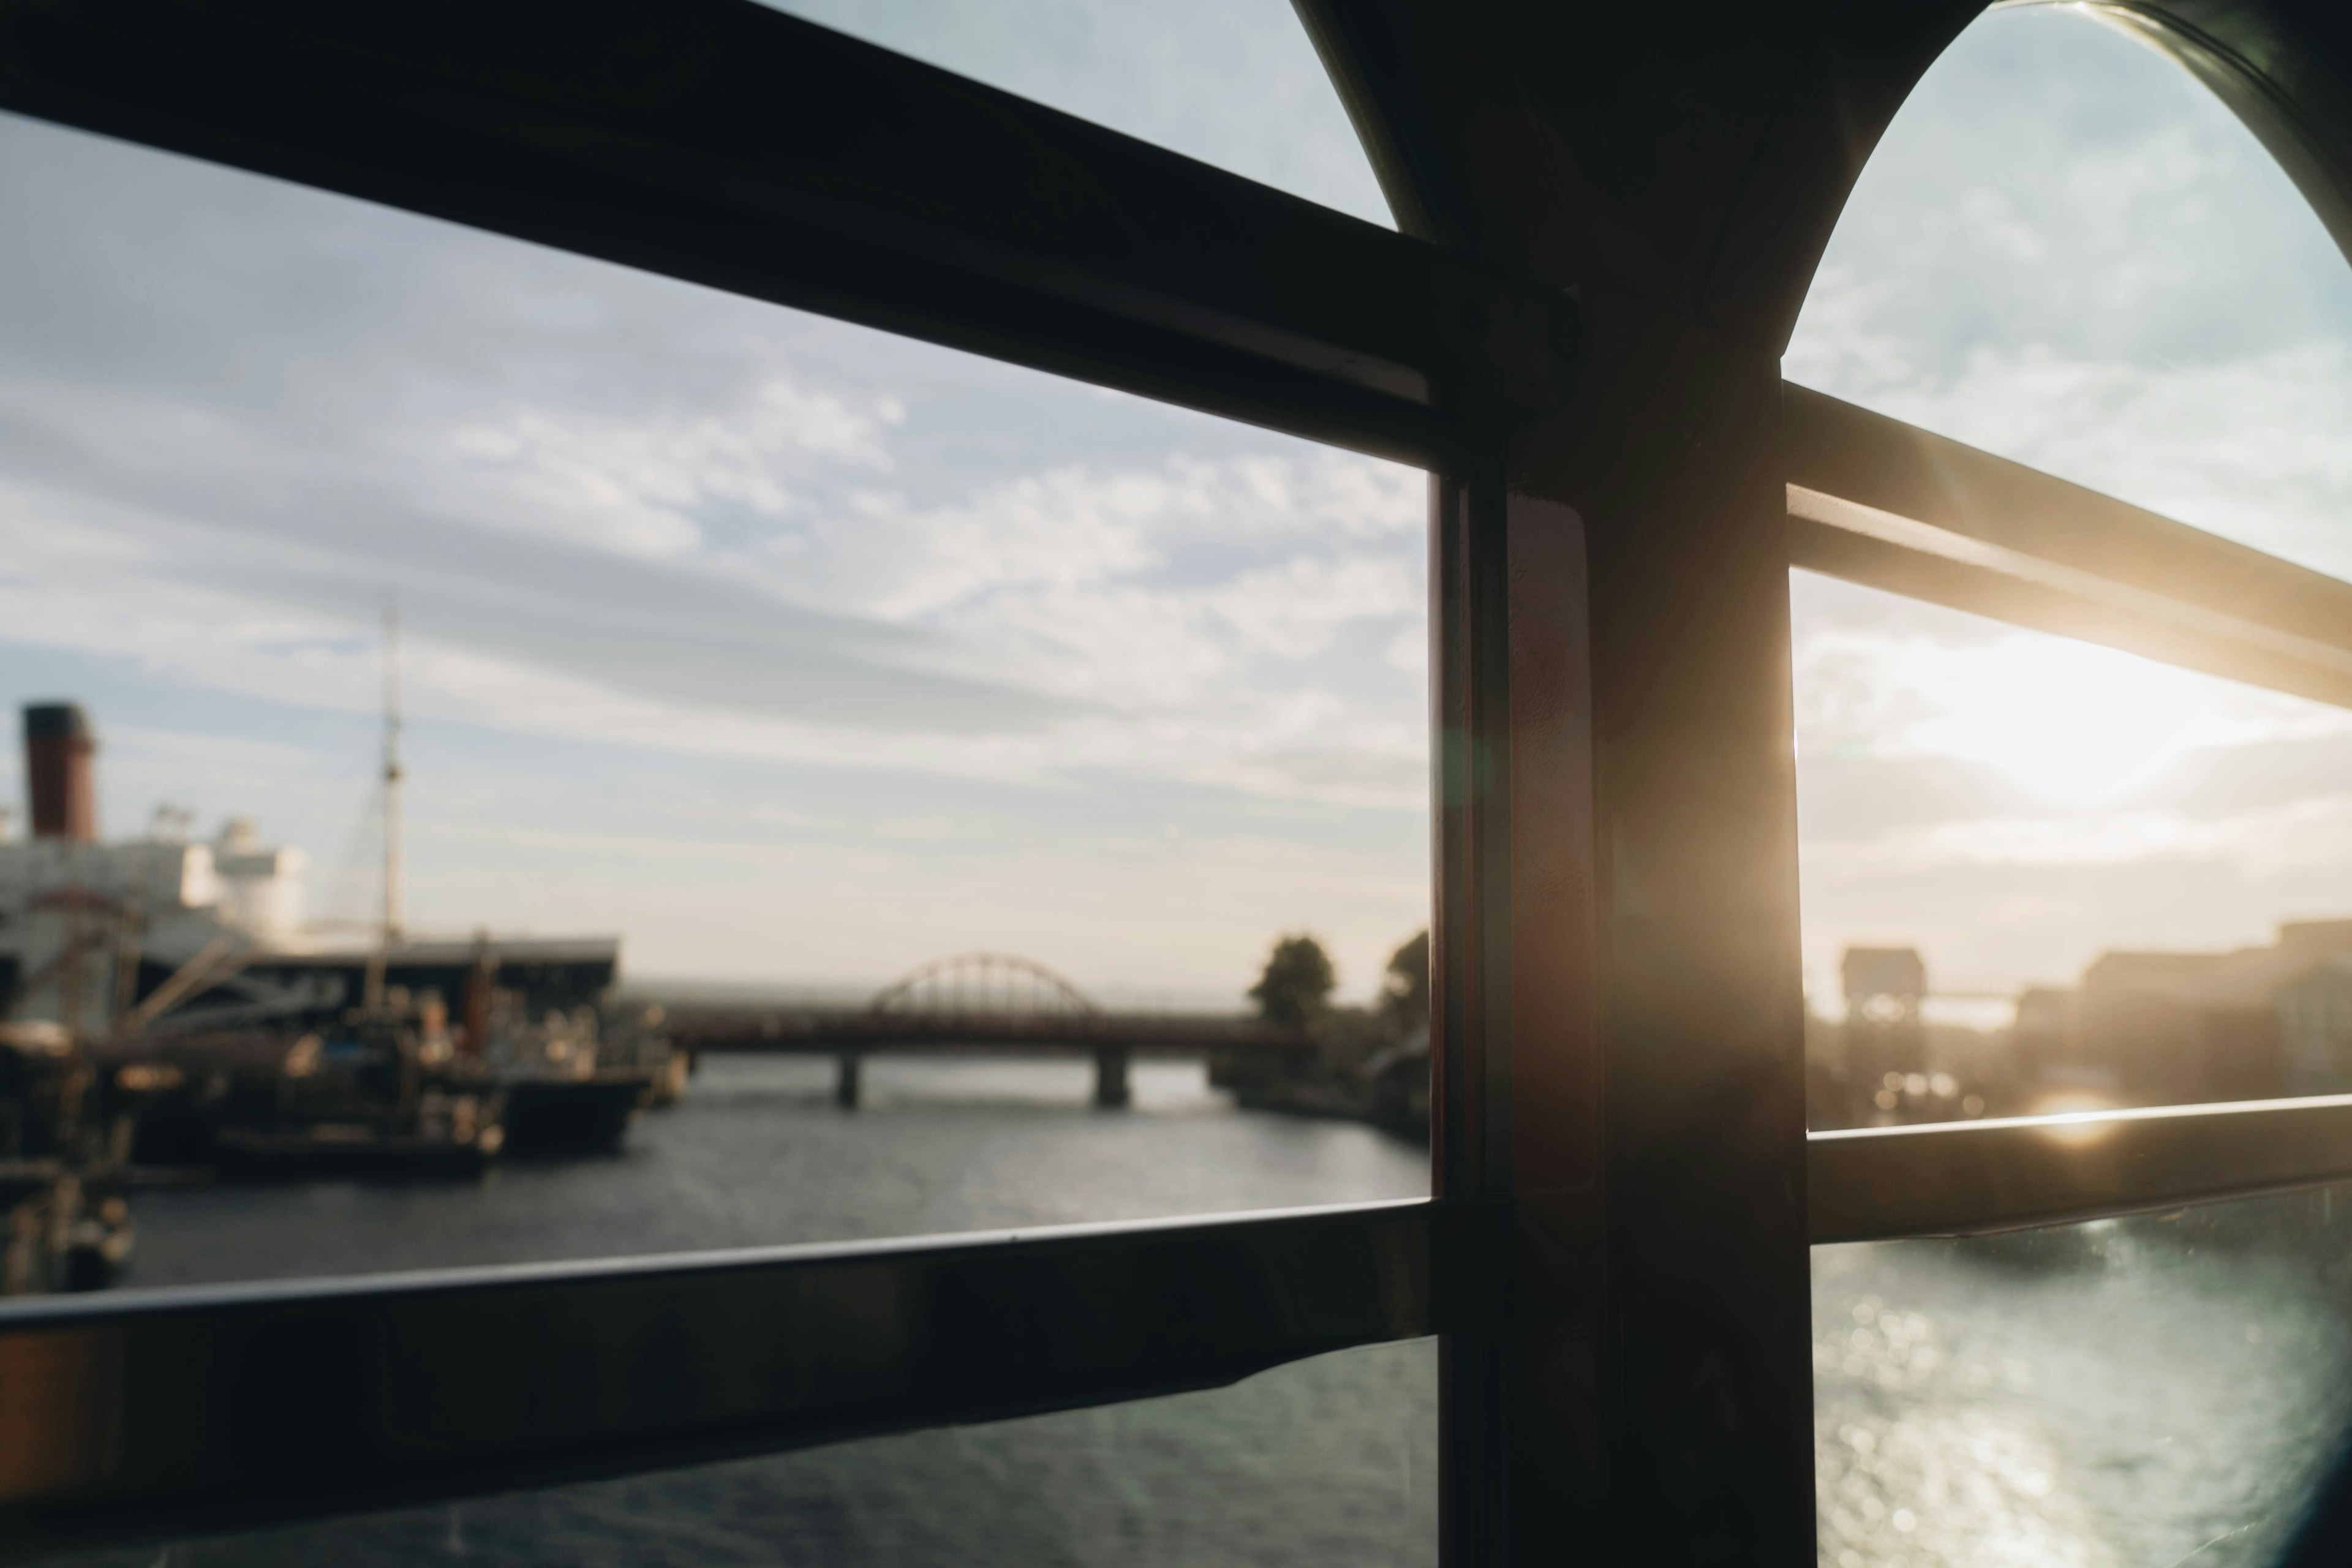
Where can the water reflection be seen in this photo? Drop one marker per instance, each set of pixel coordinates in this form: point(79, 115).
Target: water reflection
point(1331, 1462)
point(2138, 1393)
point(756, 1154)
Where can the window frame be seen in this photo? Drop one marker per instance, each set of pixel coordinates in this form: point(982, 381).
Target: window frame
point(1615, 1257)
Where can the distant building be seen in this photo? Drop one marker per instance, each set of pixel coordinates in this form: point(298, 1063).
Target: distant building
point(2046, 1042)
point(2314, 1021)
point(1884, 1063)
point(2180, 1028)
point(1885, 1030)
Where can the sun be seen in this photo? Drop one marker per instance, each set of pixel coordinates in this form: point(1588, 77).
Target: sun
point(2077, 723)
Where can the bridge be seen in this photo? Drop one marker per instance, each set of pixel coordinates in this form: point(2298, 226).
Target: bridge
point(977, 1004)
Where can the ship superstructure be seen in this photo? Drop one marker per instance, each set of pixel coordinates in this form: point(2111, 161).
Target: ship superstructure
point(93, 933)
point(164, 998)
point(88, 928)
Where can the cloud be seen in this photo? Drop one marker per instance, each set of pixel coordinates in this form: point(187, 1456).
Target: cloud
point(771, 642)
point(643, 485)
point(619, 509)
point(2066, 252)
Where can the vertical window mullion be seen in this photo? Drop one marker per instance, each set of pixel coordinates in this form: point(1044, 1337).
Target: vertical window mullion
point(1621, 1017)
point(1469, 1060)
point(1519, 1105)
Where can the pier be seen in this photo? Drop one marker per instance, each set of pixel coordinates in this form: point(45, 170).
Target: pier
point(978, 1004)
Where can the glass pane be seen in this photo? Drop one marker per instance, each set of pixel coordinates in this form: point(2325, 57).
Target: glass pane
point(1231, 83)
point(2135, 1393)
point(2037, 875)
point(2067, 251)
point(1331, 1460)
point(747, 663)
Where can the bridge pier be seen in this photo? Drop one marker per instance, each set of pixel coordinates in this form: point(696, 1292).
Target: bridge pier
point(846, 1087)
point(1111, 1091)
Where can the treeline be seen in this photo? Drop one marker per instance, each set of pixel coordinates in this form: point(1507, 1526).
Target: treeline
point(1370, 1063)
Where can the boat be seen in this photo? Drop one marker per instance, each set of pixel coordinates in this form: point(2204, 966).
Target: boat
point(172, 993)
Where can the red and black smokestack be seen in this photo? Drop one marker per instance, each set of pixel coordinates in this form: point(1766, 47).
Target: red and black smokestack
point(57, 773)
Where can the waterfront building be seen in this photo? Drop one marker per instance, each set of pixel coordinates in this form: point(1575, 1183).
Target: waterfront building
point(2179, 1028)
point(2314, 1027)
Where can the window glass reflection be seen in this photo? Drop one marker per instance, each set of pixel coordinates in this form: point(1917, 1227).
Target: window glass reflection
point(2145, 1391)
point(746, 663)
point(2037, 875)
point(2067, 251)
point(1231, 83)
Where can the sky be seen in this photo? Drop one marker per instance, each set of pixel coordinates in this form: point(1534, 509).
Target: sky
point(796, 653)
point(789, 650)
point(2066, 252)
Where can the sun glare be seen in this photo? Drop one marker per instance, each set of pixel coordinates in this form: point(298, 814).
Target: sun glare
point(2074, 722)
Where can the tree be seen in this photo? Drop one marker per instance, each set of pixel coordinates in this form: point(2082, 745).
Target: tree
point(1297, 986)
point(1404, 989)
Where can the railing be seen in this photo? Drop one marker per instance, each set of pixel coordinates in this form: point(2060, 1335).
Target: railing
point(151, 1413)
point(1879, 502)
point(1960, 1178)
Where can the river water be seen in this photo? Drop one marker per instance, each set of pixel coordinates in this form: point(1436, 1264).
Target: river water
point(1327, 1461)
point(2158, 1392)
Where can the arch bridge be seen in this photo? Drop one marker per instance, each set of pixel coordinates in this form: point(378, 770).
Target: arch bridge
point(986, 985)
point(978, 1004)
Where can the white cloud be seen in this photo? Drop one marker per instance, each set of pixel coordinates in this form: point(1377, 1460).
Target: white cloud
point(2065, 252)
point(636, 483)
point(749, 634)
point(1190, 610)
point(1067, 528)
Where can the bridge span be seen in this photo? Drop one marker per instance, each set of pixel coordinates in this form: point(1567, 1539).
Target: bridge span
point(977, 1004)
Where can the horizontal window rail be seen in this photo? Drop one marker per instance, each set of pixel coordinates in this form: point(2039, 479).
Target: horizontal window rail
point(145, 1415)
point(731, 145)
point(1963, 1178)
point(1879, 502)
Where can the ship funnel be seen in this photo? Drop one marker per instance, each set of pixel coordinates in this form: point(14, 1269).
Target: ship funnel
point(58, 773)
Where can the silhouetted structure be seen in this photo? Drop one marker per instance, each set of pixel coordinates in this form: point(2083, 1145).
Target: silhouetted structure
point(1883, 1030)
point(2182, 1028)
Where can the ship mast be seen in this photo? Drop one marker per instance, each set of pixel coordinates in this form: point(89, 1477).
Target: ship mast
point(390, 928)
point(388, 931)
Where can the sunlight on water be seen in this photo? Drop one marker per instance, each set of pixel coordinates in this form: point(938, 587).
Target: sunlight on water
point(2136, 1393)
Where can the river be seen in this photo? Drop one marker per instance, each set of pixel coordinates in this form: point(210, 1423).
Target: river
point(2158, 1393)
point(1326, 1462)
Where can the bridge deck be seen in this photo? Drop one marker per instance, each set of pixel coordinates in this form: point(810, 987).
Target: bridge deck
point(1112, 1039)
point(783, 1030)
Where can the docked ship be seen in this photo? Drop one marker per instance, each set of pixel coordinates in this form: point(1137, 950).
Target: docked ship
point(163, 1002)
